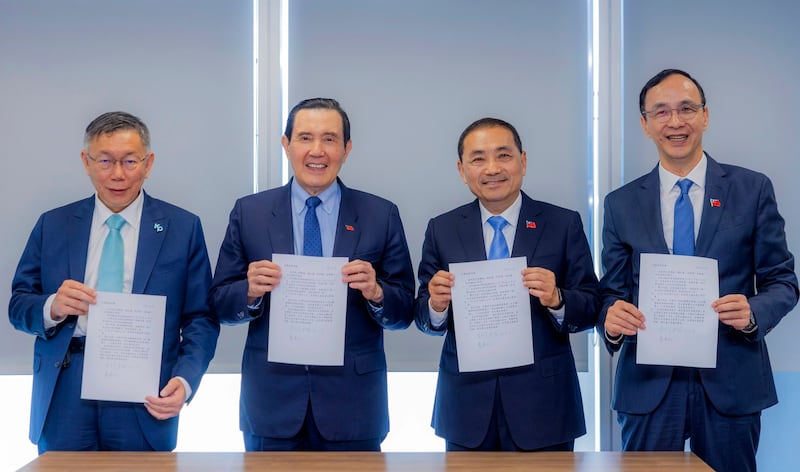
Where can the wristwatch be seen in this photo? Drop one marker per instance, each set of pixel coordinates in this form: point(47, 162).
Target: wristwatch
point(752, 326)
point(560, 301)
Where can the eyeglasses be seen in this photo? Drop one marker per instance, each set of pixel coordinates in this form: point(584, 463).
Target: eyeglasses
point(686, 112)
point(129, 163)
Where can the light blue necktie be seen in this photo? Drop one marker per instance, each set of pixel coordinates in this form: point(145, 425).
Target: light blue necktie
point(312, 240)
point(112, 260)
point(499, 248)
point(683, 231)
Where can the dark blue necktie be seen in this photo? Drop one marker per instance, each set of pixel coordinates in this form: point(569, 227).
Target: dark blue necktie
point(683, 231)
point(312, 240)
point(112, 259)
point(499, 248)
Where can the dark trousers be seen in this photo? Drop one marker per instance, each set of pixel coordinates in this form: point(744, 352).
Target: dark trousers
point(307, 439)
point(498, 437)
point(726, 443)
point(73, 424)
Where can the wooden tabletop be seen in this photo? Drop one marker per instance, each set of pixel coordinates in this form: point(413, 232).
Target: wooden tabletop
point(367, 461)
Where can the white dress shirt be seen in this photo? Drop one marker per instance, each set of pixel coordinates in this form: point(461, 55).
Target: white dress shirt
point(670, 193)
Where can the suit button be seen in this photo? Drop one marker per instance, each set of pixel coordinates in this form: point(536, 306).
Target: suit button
point(240, 315)
point(572, 328)
point(57, 365)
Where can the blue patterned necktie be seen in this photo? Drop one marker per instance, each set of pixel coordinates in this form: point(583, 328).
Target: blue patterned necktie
point(312, 240)
point(499, 248)
point(683, 231)
point(112, 260)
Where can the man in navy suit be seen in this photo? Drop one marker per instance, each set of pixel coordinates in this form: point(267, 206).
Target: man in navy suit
point(528, 408)
point(307, 407)
point(736, 222)
point(164, 253)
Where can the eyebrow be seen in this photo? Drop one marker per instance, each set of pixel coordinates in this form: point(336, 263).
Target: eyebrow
point(310, 133)
point(107, 154)
point(682, 102)
point(480, 152)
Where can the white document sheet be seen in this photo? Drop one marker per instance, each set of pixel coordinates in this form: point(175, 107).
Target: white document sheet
point(675, 296)
point(124, 337)
point(307, 311)
point(492, 315)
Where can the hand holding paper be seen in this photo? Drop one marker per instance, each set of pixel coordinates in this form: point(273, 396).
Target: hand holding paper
point(262, 277)
point(360, 275)
point(541, 283)
point(169, 402)
point(72, 298)
point(440, 290)
point(733, 310)
point(623, 318)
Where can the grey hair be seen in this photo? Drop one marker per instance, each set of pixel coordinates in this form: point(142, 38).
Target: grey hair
point(113, 121)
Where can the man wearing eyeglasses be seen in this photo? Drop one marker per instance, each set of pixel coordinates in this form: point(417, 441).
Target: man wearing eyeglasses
point(690, 204)
point(121, 239)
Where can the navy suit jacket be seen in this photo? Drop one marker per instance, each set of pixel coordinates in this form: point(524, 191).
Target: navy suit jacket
point(171, 260)
point(542, 401)
point(745, 234)
point(350, 401)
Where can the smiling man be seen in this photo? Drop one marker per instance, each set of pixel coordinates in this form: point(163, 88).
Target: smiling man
point(160, 251)
point(535, 407)
point(308, 407)
point(690, 204)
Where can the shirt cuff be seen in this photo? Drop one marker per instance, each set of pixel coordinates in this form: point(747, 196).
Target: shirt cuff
point(49, 322)
point(614, 339)
point(256, 305)
point(558, 315)
point(375, 309)
point(438, 318)
point(185, 387)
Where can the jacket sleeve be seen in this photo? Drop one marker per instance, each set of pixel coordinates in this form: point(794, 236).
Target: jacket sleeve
point(428, 266)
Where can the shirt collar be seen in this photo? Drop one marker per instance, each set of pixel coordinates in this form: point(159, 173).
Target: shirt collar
point(132, 213)
point(696, 175)
point(329, 197)
point(511, 214)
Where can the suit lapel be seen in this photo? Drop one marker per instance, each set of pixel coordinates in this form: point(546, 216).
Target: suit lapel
point(716, 190)
point(648, 200)
point(153, 228)
point(470, 226)
point(348, 229)
point(529, 228)
point(78, 236)
point(280, 218)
